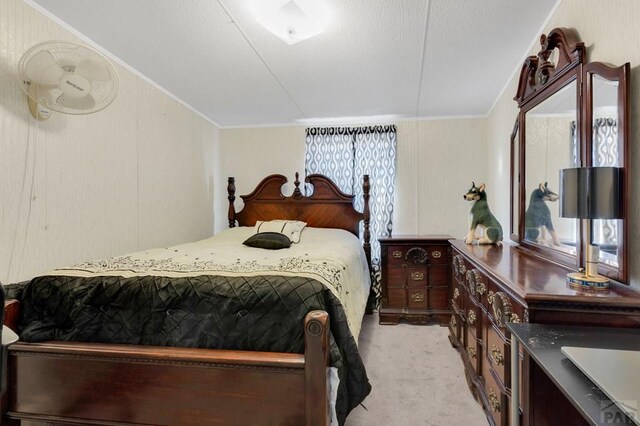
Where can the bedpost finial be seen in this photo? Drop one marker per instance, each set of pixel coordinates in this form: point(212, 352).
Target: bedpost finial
point(231, 191)
point(296, 191)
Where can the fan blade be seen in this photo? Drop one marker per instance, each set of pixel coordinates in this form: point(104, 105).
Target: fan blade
point(94, 69)
point(84, 103)
point(43, 69)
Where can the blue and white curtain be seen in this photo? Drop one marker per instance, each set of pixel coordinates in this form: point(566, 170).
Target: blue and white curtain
point(605, 154)
point(346, 154)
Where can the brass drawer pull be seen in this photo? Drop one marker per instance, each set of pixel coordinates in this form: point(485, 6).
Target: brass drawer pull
point(417, 297)
point(436, 254)
point(397, 254)
point(456, 293)
point(515, 319)
point(496, 355)
point(493, 400)
point(481, 288)
point(501, 309)
point(417, 276)
point(471, 317)
point(472, 351)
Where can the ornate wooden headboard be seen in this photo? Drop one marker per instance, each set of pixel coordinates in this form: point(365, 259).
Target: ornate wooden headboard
point(327, 207)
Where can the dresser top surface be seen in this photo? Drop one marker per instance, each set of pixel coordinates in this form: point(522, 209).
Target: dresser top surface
point(534, 279)
point(415, 238)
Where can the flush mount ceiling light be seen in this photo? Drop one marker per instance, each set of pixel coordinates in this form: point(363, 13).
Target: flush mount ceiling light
point(291, 20)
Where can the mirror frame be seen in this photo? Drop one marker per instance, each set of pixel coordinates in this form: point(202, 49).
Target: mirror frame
point(515, 180)
point(620, 75)
point(539, 79)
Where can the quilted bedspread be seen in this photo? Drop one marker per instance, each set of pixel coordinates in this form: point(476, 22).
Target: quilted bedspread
point(148, 299)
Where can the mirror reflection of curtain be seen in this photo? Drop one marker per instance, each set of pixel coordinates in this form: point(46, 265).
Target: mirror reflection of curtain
point(573, 146)
point(605, 154)
point(345, 155)
point(605, 142)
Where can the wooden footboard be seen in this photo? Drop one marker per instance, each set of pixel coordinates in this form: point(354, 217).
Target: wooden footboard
point(82, 383)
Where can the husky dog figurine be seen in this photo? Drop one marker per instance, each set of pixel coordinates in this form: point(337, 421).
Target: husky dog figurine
point(480, 215)
point(537, 219)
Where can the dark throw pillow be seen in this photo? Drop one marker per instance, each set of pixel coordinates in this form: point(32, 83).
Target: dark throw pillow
point(268, 240)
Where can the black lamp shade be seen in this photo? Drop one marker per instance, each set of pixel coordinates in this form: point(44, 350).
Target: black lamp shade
point(590, 193)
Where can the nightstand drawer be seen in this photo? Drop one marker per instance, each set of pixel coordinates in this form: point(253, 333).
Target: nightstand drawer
point(409, 255)
point(438, 297)
point(416, 276)
point(417, 298)
point(438, 276)
point(396, 297)
point(398, 276)
point(437, 255)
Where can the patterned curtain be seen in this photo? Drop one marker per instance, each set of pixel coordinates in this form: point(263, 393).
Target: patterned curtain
point(345, 155)
point(605, 154)
point(330, 151)
point(573, 145)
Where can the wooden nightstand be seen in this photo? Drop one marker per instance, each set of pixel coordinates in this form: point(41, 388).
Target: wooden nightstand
point(415, 279)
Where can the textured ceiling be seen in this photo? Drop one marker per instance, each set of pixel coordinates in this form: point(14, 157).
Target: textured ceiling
point(389, 58)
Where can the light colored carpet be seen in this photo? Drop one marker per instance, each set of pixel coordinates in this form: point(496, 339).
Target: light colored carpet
point(416, 376)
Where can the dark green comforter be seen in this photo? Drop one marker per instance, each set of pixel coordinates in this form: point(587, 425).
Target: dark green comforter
point(262, 313)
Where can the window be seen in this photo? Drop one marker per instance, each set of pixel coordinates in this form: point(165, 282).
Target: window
point(346, 154)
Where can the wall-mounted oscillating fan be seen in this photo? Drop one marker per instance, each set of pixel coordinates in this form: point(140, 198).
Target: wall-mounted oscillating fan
point(66, 77)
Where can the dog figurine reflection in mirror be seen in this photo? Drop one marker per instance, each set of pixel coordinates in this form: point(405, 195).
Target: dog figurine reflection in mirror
point(537, 219)
point(481, 216)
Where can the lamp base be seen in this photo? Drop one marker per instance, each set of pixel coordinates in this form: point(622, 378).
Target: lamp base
point(580, 281)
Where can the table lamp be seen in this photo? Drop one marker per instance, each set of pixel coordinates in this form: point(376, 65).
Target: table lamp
point(588, 193)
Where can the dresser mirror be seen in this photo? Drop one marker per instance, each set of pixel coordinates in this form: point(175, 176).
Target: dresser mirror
point(572, 114)
point(551, 145)
point(607, 124)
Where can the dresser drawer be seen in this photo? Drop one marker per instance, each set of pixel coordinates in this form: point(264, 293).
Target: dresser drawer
point(457, 299)
point(496, 398)
point(473, 351)
point(458, 268)
point(498, 353)
point(455, 325)
point(474, 318)
point(502, 309)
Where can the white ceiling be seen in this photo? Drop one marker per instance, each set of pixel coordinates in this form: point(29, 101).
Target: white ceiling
point(387, 58)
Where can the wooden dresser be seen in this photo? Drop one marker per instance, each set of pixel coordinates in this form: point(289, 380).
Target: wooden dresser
point(415, 279)
point(494, 285)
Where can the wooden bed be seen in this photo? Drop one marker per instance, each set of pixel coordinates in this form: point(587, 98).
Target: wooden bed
point(108, 384)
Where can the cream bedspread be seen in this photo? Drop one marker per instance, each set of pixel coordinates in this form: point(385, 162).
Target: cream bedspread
point(334, 257)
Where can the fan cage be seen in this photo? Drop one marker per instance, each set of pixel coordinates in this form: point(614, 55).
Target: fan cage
point(66, 53)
